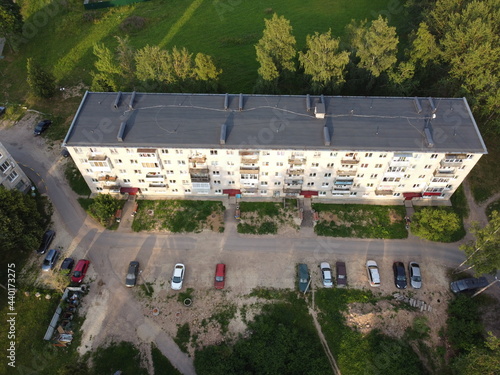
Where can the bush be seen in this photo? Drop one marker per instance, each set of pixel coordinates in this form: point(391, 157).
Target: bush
point(133, 24)
point(436, 224)
point(182, 337)
point(104, 207)
point(464, 328)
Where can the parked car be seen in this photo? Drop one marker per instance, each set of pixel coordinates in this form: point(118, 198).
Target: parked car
point(399, 275)
point(47, 238)
point(42, 126)
point(326, 274)
point(341, 274)
point(67, 266)
point(415, 275)
point(133, 271)
point(373, 274)
point(178, 276)
point(50, 259)
point(80, 271)
point(220, 276)
point(465, 285)
point(303, 273)
point(2, 110)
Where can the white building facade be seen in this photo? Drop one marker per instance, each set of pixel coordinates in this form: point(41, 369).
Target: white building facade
point(11, 175)
point(333, 148)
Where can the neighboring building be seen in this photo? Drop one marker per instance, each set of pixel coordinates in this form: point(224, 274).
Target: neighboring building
point(11, 175)
point(173, 145)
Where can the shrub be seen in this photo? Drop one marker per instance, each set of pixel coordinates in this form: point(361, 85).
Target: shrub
point(104, 207)
point(436, 224)
point(132, 24)
point(183, 336)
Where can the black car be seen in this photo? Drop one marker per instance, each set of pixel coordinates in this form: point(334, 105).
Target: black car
point(465, 285)
point(67, 266)
point(133, 270)
point(2, 110)
point(46, 240)
point(399, 275)
point(42, 126)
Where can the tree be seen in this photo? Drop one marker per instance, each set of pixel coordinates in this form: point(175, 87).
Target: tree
point(435, 224)
point(480, 361)
point(276, 49)
point(482, 253)
point(11, 20)
point(205, 68)
point(104, 207)
point(152, 64)
point(41, 82)
point(323, 61)
point(125, 57)
point(424, 46)
point(376, 46)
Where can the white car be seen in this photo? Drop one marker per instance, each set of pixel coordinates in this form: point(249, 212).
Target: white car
point(178, 276)
point(415, 276)
point(326, 274)
point(373, 274)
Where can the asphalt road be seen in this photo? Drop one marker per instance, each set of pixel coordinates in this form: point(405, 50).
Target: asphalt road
point(110, 251)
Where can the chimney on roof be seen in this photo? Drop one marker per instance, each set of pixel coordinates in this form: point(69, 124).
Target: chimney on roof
point(223, 130)
point(428, 133)
point(240, 105)
point(117, 100)
point(418, 106)
point(433, 107)
point(326, 136)
point(226, 102)
point(319, 110)
point(131, 104)
point(121, 131)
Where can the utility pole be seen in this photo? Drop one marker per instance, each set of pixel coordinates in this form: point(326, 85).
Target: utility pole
point(486, 287)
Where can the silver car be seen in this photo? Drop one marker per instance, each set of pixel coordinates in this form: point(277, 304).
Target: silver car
point(50, 260)
point(415, 276)
point(326, 274)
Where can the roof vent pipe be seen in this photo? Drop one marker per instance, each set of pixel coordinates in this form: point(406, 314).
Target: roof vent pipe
point(418, 106)
point(308, 102)
point(433, 107)
point(117, 100)
point(223, 130)
point(226, 102)
point(240, 106)
point(322, 99)
point(131, 104)
point(121, 131)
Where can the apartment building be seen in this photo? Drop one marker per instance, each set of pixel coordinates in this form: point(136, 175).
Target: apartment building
point(11, 175)
point(329, 147)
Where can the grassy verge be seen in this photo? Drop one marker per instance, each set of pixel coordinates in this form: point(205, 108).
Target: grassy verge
point(183, 336)
point(76, 180)
point(266, 217)
point(356, 354)
point(362, 221)
point(86, 204)
point(161, 363)
point(485, 177)
point(280, 340)
point(122, 356)
point(178, 216)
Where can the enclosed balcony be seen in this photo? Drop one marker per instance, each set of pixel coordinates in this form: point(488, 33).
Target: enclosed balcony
point(350, 160)
point(107, 178)
point(444, 173)
point(297, 160)
point(295, 172)
point(97, 157)
point(197, 159)
point(346, 172)
point(384, 192)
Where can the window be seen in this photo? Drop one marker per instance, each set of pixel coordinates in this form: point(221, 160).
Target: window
point(184, 182)
point(276, 174)
point(169, 172)
point(421, 176)
point(396, 194)
point(215, 163)
point(83, 161)
point(312, 174)
point(172, 181)
point(133, 161)
point(181, 162)
point(325, 184)
point(374, 175)
point(164, 151)
point(150, 165)
point(406, 176)
point(449, 186)
point(264, 174)
point(277, 183)
point(137, 171)
point(218, 191)
point(142, 181)
point(123, 171)
point(187, 191)
point(378, 165)
point(315, 165)
point(396, 169)
point(178, 152)
point(167, 161)
point(126, 181)
point(434, 156)
point(469, 156)
point(175, 190)
point(368, 155)
point(383, 155)
point(213, 152)
point(215, 173)
point(263, 191)
point(146, 155)
point(280, 153)
point(401, 186)
point(5, 166)
point(88, 170)
point(364, 165)
point(322, 193)
point(369, 185)
point(229, 152)
point(129, 151)
point(353, 193)
point(279, 164)
point(95, 180)
point(78, 150)
point(391, 179)
point(310, 184)
point(328, 175)
point(263, 183)
point(266, 153)
point(93, 149)
point(98, 188)
point(360, 175)
point(99, 164)
point(265, 164)
point(317, 154)
point(118, 161)
point(329, 165)
point(416, 186)
point(333, 154)
point(230, 182)
point(428, 166)
point(229, 173)
point(230, 163)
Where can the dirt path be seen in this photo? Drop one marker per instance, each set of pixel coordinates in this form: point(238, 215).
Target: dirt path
point(328, 353)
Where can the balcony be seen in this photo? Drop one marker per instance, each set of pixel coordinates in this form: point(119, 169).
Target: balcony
point(399, 163)
point(249, 157)
point(295, 172)
point(199, 174)
point(346, 172)
point(292, 190)
point(349, 161)
point(97, 157)
point(200, 159)
point(448, 173)
point(248, 190)
point(155, 177)
point(454, 163)
point(112, 187)
point(107, 178)
point(342, 188)
point(249, 170)
point(295, 160)
point(384, 192)
point(158, 186)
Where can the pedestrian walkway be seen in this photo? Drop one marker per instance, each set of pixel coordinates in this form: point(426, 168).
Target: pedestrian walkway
point(127, 216)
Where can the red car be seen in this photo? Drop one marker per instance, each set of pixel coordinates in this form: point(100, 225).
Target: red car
point(80, 270)
point(220, 276)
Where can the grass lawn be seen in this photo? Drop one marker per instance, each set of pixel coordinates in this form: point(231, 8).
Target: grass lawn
point(485, 176)
point(178, 216)
point(226, 30)
point(267, 217)
point(76, 180)
point(362, 221)
point(87, 202)
point(356, 354)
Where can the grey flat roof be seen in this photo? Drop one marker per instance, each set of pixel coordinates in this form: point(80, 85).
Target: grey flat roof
point(275, 122)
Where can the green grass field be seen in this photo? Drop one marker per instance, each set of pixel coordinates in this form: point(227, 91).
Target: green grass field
point(60, 37)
